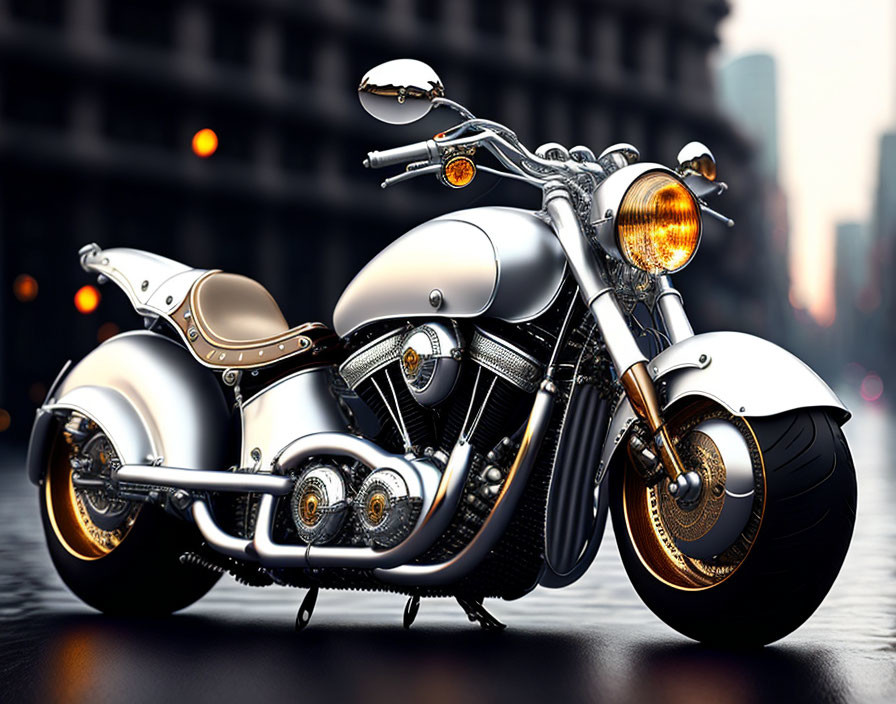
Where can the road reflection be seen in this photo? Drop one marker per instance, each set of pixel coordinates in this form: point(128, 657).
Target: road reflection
point(93, 659)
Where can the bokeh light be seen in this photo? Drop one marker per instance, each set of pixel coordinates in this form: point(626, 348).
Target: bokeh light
point(872, 387)
point(205, 143)
point(87, 299)
point(37, 392)
point(106, 331)
point(25, 288)
point(5, 419)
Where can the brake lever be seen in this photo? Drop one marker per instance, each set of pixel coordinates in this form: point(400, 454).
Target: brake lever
point(412, 173)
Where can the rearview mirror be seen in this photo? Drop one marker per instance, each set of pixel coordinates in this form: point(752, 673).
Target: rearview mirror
point(399, 92)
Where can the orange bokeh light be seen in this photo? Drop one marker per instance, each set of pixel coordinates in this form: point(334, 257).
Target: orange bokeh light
point(205, 143)
point(87, 299)
point(5, 420)
point(25, 288)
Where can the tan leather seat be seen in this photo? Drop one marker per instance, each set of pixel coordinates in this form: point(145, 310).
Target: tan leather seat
point(235, 310)
point(232, 321)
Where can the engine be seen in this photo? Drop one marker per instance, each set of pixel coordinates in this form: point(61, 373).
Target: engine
point(427, 386)
point(431, 383)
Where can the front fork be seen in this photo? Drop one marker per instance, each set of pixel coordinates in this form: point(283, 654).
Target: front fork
point(621, 345)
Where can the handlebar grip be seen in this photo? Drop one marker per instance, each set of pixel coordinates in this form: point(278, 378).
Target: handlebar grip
point(427, 150)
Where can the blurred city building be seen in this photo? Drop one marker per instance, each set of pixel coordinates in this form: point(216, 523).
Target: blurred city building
point(851, 280)
point(748, 93)
point(879, 297)
point(100, 99)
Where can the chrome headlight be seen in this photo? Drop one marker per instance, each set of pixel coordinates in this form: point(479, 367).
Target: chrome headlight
point(648, 217)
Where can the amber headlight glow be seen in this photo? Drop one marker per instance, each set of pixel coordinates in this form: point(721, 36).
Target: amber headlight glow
point(658, 225)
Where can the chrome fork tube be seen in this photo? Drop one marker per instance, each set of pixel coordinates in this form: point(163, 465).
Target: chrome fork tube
point(595, 289)
point(629, 361)
point(671, 306)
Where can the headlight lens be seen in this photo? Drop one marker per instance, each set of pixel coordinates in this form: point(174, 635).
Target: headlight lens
point(658, 226)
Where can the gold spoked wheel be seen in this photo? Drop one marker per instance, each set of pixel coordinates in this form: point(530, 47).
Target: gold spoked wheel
point(88, 521)
point(661, 532)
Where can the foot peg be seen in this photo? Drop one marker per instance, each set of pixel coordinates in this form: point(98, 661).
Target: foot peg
point(307, 608)
point(410, 611)
point(475, 611)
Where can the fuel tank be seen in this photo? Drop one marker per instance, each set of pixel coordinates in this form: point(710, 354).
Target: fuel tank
point(495, 262)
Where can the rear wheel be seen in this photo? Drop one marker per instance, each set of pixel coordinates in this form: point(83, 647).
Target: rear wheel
point(118, 556)
point(757, 555)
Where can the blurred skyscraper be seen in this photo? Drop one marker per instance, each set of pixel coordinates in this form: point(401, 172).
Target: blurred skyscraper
point(851, 277)
point(880, 296)
point(748, 94)
point(99, 100)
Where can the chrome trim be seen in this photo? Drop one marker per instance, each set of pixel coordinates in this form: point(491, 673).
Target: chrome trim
point(671, 306)
point(504, 359)
point(203, 480)
point(214, 536)
point(375, 355)
point(485, 539)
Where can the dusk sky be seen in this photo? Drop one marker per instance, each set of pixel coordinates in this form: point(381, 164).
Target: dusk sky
point(836, 94)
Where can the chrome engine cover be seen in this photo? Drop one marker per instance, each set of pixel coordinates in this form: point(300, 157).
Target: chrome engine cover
point(319, 504)
point(430, 362)
point(385, 509)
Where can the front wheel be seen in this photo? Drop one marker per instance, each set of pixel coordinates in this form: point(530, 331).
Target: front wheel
point(757, 555)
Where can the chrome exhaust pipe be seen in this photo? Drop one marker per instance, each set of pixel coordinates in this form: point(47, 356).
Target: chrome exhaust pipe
point(439, 508)
point(390, 565)
point(203, 479)
point(494, 526)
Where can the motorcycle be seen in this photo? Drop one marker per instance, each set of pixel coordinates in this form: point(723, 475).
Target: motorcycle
point(496, 381)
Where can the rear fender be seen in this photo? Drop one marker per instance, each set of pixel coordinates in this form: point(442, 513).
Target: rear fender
point(151, 399)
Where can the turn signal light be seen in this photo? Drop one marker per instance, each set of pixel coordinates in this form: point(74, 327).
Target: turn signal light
point(658, 226)
point(459, 171)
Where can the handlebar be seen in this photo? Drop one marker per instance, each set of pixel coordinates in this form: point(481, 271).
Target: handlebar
point(421, 151)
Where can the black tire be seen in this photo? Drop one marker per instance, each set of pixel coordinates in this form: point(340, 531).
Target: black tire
point(142, 575)
point(802, 540)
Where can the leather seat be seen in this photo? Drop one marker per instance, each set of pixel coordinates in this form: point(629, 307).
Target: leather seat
point(232, 321)
point(234, 310)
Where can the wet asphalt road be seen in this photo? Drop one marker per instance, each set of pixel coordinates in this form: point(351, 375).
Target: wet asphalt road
point(593, 641)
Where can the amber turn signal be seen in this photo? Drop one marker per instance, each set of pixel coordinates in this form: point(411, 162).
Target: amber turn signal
point(459, 171)
point(658, 226)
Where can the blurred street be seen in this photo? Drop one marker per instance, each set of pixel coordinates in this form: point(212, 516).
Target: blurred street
point(593, 641)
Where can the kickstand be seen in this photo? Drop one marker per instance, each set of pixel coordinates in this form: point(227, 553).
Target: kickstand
point(475, 611)
point(306, 609)
point(410, 611)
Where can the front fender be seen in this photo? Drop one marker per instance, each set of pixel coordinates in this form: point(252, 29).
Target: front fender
point(150, 398)
point(745, 374)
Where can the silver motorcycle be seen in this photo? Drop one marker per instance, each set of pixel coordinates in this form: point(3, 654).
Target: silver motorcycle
point(495, 382)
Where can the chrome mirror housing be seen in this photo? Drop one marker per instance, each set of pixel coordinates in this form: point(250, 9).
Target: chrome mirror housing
point(696, 158)
point(399, 92)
